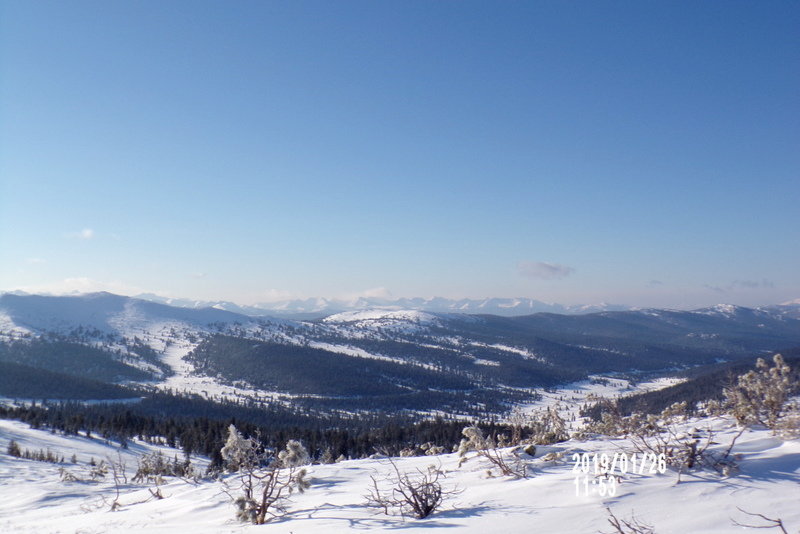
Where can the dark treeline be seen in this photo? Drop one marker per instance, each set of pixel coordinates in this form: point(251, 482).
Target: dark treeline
point(113, 359)
point(307, 370)
point(478, 403)
point(23, 381)
point(328, 380)
point(199, 426)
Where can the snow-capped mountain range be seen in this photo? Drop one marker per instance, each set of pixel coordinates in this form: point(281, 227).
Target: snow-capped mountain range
point(317, 307)
point(320, 307)
point(393, 351)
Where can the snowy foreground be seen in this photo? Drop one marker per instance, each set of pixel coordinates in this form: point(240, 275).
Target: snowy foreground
point(34, 499)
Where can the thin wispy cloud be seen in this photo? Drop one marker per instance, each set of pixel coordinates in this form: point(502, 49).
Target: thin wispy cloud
point(543, 270)
point(277, 295)
point(715, 289)
point(375, 292)
point(751, 284)
point(85, 234)
point(655, 283)
point(737, 285)
point(369, 293)
point(35, 261)
point(82, 284)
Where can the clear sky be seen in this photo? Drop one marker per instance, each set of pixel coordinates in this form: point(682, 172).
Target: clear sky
point(642, 153)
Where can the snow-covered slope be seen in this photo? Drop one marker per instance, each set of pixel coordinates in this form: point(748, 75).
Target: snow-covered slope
point(33, 499)
point(395, 320)
point(102, 311)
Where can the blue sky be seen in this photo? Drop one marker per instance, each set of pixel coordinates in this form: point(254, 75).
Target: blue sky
point(644, 153)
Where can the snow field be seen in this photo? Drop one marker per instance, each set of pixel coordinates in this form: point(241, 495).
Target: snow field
point(571, 397)
point(33, 499)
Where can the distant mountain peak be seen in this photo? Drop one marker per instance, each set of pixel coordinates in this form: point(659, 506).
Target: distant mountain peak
point(318, 307)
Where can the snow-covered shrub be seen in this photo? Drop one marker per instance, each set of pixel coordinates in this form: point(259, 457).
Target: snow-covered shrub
point(612, 423)
point(294, 455)
point(675, 411)
point(473, 440)
point(487, 448)
point(155, 465)
point(663, 437)
point(685, 450)
point(426, 449)
point(327, 457)
point(542, 427)
point(788, 426)
point(238, 451)
point(711, 408)
point(431, 449)
point(761, 396)
point(266, 481)
point(549, 427)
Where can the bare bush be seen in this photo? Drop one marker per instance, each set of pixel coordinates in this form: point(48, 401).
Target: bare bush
point(417, 494)
point(770, 523)
point(98, 470)
point(118, 472)
point(67, 476)
point(685, 451)
point(629, 526)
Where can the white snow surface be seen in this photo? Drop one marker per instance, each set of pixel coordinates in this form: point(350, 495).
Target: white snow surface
point(725, 310)
point(570, 398)
point(525, 353)
point(353, 351)
point(34, 500)
point(9, 330)
point(377, 316)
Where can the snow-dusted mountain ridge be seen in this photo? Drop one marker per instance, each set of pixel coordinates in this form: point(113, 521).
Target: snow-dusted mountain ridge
point(317, 307)
point(390, 359)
